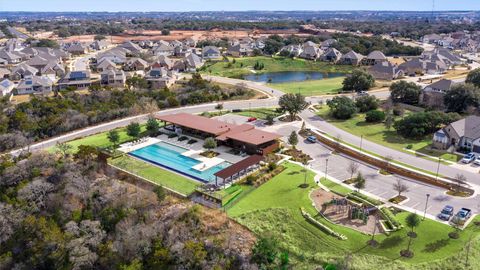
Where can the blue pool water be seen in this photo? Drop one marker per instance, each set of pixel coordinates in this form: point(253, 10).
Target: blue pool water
point(170, 157)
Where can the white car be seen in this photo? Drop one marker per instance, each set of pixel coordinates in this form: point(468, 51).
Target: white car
point(477, 161)
point(468, 158)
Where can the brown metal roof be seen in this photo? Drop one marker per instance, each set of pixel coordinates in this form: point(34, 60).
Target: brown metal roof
point(239, 166)
point(200, 123)
point(243, 133)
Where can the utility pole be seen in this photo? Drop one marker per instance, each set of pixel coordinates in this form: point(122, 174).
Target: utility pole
point(438, 168)
point(326, 168)
point(361, 142)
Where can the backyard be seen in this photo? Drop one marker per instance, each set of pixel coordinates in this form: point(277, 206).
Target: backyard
point(243, 66)
point(378, 133)
point(312, 87)
point(274, 209)
point(155, 174)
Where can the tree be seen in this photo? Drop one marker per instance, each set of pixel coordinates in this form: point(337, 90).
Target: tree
point(210, 143)
point(353, 168)
point(473, 77)
point(99, 37)
point(63, 148)
point(412, 221)
point(293, 104)
point(270, 119)
point(462, 96)
point(389, 120)
point(86, 153)
point(133, 130)
point(366, 103)
point(375, 116)
point(165, 32)
point(359, 182)
point(264, 252)
point(114, 137)
point(293, 139)
point(358, 81)
point(152, 126)
point(48, 43)
point(342, 107)
point(419, 124)
point(405, 92)
point(400, 187)
point(458, 182)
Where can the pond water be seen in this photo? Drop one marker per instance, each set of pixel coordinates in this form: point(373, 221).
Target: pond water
point(290, 76)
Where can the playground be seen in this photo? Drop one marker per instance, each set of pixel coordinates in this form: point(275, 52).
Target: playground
point(343, 211)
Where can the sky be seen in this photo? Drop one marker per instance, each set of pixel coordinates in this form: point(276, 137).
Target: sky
point(229, 5)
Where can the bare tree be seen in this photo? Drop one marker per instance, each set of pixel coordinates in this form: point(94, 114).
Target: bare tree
point(353, 168)
point(458, 182)
point(400, 187)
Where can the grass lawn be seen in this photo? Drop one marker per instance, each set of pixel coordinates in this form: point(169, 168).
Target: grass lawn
point(156, 174)
point(98, 140)
point(378, 133)
point(311, 87)
point(245, 65)
point(335, 187)
point(273, 209)
point(260, 113)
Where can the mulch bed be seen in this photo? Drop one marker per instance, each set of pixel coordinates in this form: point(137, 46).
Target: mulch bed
point(287, 118)
point(297, 155)
point(397, 199)
point(209, 154)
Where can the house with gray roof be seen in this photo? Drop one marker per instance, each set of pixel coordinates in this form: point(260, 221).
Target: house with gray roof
point(77, 48)
point(463, 134)
point(135, 64)
point(310, 51)
point(75, 79)
point(3, 62)
point(105, 64)
point(132, 47)
point(11, 57)
point(159, 78)
point(375, 57)
point(113, 78)
point(4, 73)
point(164, 49)
point(385, 71)
point(328, 43)
point(162, 61)
point(433, 95)
point(240, 50)
point(21, 71)
point(189, 63)
point(98, 45)
point(117, 55)
point(351, 58)
point(211, 53)
point(34, 85)
point(332, 55)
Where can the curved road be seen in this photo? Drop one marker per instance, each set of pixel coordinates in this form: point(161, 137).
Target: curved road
point(274, 94)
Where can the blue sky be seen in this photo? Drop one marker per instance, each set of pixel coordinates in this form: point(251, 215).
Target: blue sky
point(198, 5)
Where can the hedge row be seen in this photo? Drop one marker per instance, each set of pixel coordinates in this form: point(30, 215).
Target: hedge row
point(390, 217)
point(322, 226)
point(362, 197)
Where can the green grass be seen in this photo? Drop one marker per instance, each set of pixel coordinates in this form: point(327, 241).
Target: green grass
point(156, 174)
point(98, 140)
point(335, 187)
point(378, 133)
point(273, 209)
point(312, 87)
point(245, 65)
point(260, 113)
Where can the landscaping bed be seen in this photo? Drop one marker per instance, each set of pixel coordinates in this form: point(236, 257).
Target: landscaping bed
point(209, 154)
point(297, 155)
point(397, 199)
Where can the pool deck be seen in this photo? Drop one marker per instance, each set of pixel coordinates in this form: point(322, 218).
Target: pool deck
point(194, 151)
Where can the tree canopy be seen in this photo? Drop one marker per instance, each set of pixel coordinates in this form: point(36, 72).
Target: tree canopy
point(293, 104)
point(405, 92)
point(342, 107)
point(359, 80)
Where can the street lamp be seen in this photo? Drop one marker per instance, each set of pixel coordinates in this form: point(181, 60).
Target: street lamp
point(361, 142)
point(326, 168)
point(426, 204)
point(438, 168)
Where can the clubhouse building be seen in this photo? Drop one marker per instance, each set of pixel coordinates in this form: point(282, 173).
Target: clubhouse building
point(244, 137)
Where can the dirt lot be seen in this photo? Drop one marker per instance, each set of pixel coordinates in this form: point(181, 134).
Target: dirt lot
point(184, 34)
point(340, 214)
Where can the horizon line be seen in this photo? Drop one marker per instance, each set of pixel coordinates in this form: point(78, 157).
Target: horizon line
point(260, 10)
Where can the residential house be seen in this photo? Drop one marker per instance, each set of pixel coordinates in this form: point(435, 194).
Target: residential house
point(3, 62)
point(53, 70)
point(75, 79)
point(310, 51)
point(77, 48)
point(328, 44)
point(211, 53)
point(294, 50)
point(113, 78)
point(164, 49)
point(182, 51)
point(375, 57)
point(6, 87)
point(420, 67)
point(34, 85)
point(162, 62)
point(431, 39)
point(190, 42)
point(98, 45)
point(385, 71)
point(160, 78)
point(21, 71)
point(116, 55)
point(351, 58)
point(239, 50)
point(135, 64)
point(433, 95)
point(10, 57)
point(133, 48)
point(4, 73)
point(190, 63)
point(331, 55)
point(105, 64)
point(463, 134)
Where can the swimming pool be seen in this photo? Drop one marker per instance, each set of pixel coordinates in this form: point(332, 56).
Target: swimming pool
point(170, 156)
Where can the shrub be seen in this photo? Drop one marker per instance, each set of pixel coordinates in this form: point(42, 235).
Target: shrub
point(390, 217)
point(398, 111)
point(375, 116)
point(342, 107)
point(272, 166)
point(172, 135)
point(250, 180)
point(366, 103)
point(182, 138)
point(192, 141)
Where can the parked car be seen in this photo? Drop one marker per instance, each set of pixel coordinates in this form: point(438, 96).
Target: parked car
point(462, 216)
point(468, 158)
point(446, 213)
point(477, 161)
point(252, 119)
point(362, 93)
point(312, 139)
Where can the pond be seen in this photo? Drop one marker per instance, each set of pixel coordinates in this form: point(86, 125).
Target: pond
point(291, 76)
